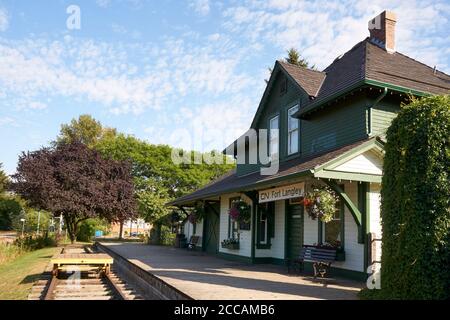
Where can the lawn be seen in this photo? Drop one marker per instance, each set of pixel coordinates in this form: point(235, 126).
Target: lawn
point(17, 277)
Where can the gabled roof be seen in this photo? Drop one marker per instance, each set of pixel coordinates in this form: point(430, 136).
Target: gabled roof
point(368, 64)
point(308, 79)
point(291, 169)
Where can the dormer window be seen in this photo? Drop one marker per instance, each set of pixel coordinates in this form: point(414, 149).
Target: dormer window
point(293, 131)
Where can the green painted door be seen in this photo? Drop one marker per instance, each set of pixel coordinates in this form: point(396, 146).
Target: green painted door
point(211, 231)
point(294, 230)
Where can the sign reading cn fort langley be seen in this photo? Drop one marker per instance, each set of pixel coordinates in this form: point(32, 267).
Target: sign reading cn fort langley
point(282, 193)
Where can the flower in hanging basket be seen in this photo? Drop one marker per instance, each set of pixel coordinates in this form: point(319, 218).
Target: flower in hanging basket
point(234, 213)
point(199, 211)
point(320, 203)
point(240, 211)
point(192, 218)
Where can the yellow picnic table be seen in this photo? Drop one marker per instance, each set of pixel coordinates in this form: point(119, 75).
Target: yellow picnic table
point(102, 260)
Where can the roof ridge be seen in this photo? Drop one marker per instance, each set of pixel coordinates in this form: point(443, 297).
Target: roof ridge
point(300, 67)
point(356, 46)
point(422, 63)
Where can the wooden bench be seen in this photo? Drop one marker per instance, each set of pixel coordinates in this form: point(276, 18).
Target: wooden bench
point(321, 257)
point(193, 242)
point(102, 260)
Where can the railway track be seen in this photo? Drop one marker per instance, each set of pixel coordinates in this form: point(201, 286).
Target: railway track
point(82, 283)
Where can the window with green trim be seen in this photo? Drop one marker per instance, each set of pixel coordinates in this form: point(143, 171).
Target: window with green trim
point(265, 225)
point(333, 231)
point(233, 226)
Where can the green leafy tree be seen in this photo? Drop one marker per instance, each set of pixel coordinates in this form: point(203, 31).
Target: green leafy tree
point(3, 180)
point(415, 202)
point(86, 130)
point(157, 179)
point(10, 210)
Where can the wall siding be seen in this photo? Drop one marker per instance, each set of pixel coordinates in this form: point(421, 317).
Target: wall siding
point(375, 218)
point(341, 124)
point(245, 236)
point(276, 104)
point(367, 162)
point(382, 116)
point(354, 251)
point(277, 248)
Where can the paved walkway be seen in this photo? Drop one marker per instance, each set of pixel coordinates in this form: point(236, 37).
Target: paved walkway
point(203, 276)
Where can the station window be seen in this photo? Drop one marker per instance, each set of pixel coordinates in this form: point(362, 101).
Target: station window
point(293, 131)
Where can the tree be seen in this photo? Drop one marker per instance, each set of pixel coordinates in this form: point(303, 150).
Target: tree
point(415, 202)
point(157, 179)
point(3, 180)
point(294, 57)
point(86, 130)
point(75, 181)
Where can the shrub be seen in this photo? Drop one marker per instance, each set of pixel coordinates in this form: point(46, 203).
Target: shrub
point(415, 202)
point(167, 236)
point(87, 228)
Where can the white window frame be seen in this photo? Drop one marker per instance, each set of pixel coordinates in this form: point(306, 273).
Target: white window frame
point(273, 136)
point(265, 228)
point(291, 131)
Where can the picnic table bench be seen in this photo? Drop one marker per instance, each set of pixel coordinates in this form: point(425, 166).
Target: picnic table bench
point(102, 260)
point(321, 257)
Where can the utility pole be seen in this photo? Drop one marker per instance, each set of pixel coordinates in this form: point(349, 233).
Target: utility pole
point(39, 221)
point(23, 225)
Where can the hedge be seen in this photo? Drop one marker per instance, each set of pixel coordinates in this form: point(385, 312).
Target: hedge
point(415, 202)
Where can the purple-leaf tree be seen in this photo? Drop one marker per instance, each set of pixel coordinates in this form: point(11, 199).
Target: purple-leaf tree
point(75, 181)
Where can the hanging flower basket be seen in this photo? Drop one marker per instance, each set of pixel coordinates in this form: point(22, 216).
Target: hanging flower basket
point(198, 213)
point(240, 212)
point(320, 203)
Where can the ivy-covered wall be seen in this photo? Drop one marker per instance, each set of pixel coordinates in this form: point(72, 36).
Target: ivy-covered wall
point(415, 202)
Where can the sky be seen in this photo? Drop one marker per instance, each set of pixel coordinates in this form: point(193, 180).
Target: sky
point(185, 73)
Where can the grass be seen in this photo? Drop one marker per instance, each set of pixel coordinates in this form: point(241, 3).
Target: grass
point(8, 253)
point(17, 277)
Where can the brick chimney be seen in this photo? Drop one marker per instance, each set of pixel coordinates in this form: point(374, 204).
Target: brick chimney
point(382, 30)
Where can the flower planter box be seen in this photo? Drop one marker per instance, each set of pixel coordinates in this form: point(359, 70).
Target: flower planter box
point(231, 246)
point(340, 255)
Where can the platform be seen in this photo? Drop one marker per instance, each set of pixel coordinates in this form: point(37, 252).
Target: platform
point(202, 276)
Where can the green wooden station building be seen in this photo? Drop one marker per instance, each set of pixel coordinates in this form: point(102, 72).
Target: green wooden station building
point(331, 132)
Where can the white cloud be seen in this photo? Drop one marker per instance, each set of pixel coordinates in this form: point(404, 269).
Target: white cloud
point(32, 70)
point(202, 7)
point(4, 19)
point(325, 29)
point(7, 121)
point(103, 3)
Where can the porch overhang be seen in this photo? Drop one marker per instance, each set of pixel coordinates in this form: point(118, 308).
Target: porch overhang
point(333, 165)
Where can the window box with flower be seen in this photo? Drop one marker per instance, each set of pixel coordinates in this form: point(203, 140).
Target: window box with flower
point(231, 244)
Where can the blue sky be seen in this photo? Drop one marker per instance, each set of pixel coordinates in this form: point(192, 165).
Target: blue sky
point(186, 73)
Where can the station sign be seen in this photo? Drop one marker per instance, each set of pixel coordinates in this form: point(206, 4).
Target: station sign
point(282, 193)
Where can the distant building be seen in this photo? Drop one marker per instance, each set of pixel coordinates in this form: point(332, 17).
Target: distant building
point(135, 228)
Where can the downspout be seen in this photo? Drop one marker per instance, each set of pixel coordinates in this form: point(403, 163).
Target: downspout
point(369, 114)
